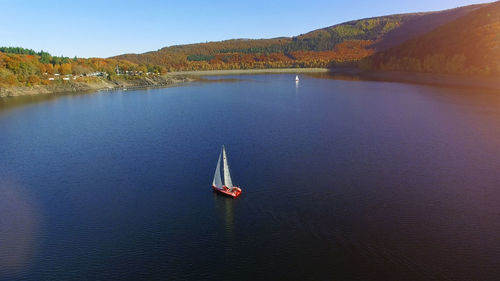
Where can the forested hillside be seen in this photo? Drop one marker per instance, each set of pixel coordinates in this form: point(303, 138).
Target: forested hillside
point(350, 41)
point(344, 42)
point(467, 45)
point(464, 40)
point(25, 67)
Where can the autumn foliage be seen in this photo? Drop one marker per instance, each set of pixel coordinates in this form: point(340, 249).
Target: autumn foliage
point(31, 69)
point(319, 48)
point(468, 45)
point(218, 58)
point(27, 68)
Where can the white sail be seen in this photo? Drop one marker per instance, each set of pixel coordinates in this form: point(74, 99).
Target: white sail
point(227, 175)
point(296, 78)
point(217, 179)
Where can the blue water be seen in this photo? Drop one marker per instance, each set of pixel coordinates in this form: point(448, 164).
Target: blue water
point(342, 180)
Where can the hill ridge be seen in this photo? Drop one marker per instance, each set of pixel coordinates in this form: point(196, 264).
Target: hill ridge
point(348, 41)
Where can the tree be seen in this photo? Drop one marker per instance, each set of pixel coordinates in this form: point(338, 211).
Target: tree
point(66, 69)
point(44, 57)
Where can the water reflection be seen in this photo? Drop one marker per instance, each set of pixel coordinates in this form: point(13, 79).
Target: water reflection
point(436, 80)
point(224, 211)
point(337, 76)
point(8, 103)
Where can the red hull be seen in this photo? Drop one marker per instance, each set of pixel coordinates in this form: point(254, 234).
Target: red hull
point(234, 192)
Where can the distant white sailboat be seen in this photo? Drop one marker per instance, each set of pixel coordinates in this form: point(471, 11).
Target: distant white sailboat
point(296, 78)
point(225, 186)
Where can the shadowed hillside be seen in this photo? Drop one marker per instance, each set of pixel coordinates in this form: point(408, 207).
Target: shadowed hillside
point(467, 45)
point(419, 24)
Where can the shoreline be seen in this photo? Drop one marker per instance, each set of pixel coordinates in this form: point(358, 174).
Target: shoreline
point(95, 86)
point(249, 71)
point(177, 78)
point(169, 79)
point(441, 80)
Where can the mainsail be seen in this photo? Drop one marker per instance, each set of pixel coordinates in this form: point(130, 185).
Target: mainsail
point(222, 182)
point(227, 175)
point(217, 179)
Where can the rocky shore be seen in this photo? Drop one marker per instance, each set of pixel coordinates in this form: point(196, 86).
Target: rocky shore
point(95, 85)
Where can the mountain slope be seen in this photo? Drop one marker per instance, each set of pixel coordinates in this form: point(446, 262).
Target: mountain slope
point(348, 41)
point(467, 45)
point(386, 31)
point(420, 24)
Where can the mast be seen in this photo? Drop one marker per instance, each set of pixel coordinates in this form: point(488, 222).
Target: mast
point(217, 179)
point(227, 175)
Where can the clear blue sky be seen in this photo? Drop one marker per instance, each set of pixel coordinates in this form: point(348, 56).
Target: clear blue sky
point(105, 28)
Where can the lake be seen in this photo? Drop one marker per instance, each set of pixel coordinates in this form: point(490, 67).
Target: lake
point(342, 180)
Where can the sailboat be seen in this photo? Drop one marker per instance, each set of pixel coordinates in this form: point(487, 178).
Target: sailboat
point(296, 78)
point(224, 187)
